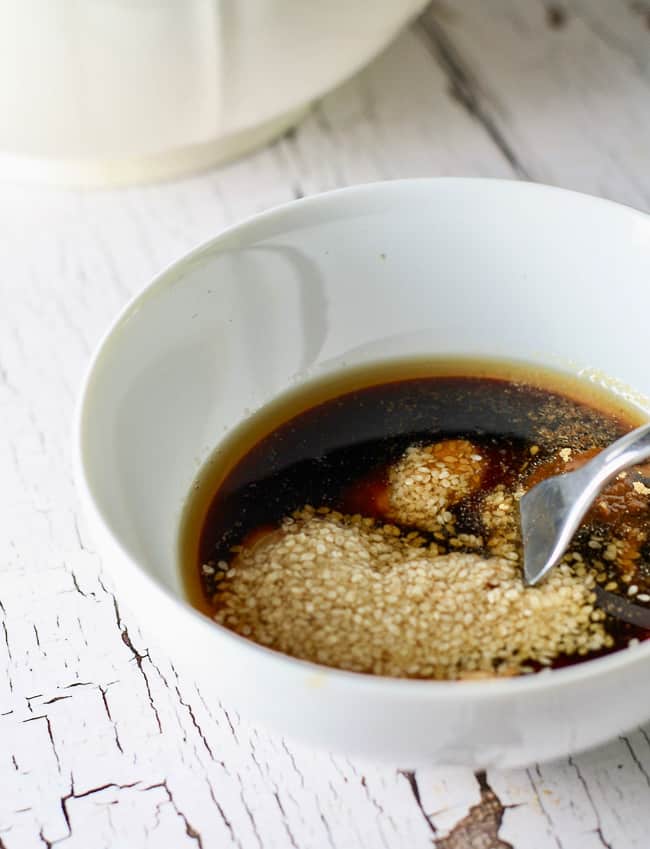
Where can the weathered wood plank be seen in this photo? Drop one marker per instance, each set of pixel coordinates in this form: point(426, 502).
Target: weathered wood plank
point(567, 94)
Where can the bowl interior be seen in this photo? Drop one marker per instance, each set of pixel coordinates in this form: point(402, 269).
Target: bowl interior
point(444, 267)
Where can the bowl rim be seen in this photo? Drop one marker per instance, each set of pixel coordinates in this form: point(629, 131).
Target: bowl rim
point(173, 273)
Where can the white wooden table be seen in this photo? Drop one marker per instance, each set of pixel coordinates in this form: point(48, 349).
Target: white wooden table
point(102, 741)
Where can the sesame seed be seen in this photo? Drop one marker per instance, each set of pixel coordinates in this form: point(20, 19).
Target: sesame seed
point(388, 606)
point(415, 595)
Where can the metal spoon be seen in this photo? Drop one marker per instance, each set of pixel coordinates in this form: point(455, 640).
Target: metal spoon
point(552, 511)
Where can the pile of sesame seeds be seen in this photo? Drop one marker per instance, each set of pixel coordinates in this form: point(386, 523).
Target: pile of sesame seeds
point(347, 592)
point(420, 601)
point(429, 479)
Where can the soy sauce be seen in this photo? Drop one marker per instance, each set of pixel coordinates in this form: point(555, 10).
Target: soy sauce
point(332, 444)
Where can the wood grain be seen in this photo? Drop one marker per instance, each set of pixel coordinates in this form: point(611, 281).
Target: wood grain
point(103, 742)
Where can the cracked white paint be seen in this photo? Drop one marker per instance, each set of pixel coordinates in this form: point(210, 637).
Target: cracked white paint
point(103, 742)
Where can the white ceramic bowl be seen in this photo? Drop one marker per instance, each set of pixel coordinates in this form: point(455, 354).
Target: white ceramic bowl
point(449, 267)
point(105, 92)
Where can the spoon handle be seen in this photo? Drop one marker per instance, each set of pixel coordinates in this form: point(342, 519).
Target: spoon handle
point(627, 451)
point(551, 512)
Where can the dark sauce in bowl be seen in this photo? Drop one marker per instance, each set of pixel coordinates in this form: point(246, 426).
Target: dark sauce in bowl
point(332, 446)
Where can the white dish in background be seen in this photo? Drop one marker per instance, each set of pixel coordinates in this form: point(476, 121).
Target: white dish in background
point(445, 267)
point(106, 92)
